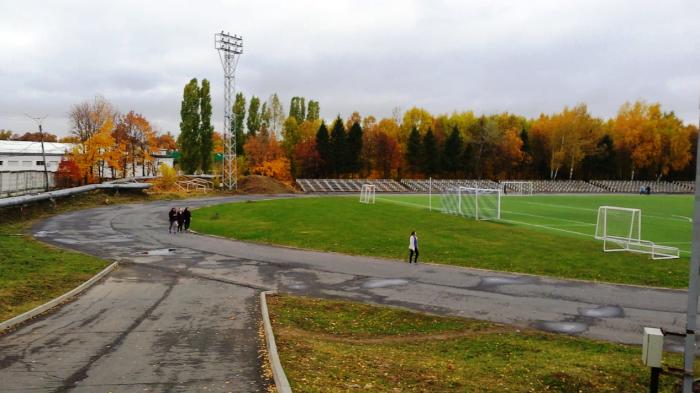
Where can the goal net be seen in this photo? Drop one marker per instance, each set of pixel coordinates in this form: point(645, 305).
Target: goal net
point(516, 187)
point(368, 193)
point(620, 229)
point(474, 202)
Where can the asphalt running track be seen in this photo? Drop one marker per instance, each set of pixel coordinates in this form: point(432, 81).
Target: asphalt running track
point(181, 312)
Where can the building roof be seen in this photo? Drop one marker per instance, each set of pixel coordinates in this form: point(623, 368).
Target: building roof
point(23, 147)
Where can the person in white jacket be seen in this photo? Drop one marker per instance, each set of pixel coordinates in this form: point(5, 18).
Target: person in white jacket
point(413, 248)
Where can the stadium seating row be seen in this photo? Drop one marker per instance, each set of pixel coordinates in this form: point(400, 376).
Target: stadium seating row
point(538, 186)
point(348, 185)
point(634, 186)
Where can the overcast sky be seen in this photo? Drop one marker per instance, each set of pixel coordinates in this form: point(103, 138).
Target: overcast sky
point(525, 57)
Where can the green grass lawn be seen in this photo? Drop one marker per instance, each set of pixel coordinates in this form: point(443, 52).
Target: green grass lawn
point(343, 225)
point(666, 219)
point(338, 346)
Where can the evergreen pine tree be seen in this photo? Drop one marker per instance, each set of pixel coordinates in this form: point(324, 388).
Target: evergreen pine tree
point(323, 147)
point(238, 122)
point(413, 150)
point(338, 147)
point(206, 130)
point(452, 153)
point(253, 121)
point(431, 154)
point(354, 148)
point(189, 128)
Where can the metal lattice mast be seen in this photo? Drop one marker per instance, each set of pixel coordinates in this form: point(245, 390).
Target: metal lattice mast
point(230, 48)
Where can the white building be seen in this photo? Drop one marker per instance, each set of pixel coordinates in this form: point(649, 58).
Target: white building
point(21, 156)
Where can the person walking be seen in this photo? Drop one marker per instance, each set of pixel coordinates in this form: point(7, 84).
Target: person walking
point(413, 248)
point(187, 216)
point(180, 220)
point(172, 216)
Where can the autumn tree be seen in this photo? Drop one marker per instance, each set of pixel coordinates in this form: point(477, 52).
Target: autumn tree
point(417, 118)
point(68, 173)
point(166, 142)
point(308, 160)
point(5, 135)
point(188, 140)
point(238, 122)
point(35, 137)
point(88, 117)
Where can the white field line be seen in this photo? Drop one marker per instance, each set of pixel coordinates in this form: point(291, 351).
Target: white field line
point(549, 218)
point(683, 217)
point(552, 228)
point(644, 215)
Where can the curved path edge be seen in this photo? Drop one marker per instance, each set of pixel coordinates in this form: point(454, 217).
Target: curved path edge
point(19, 319)
point(281, 382)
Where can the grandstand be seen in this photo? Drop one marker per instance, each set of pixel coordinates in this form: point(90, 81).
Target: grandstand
point(538, 186)
point(634, 186)
point(439, 185)
point(349, 185)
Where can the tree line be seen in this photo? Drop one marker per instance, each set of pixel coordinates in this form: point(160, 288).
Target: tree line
point(641, 142)
point(109, 144)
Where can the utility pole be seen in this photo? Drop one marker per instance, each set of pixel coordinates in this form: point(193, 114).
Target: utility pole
point(230, 48)
point(693, 287)
point(39, 120)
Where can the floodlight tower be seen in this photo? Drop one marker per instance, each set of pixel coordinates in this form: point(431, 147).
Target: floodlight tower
point(230, 48)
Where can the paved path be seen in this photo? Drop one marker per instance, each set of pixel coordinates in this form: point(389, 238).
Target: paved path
point(181, 312)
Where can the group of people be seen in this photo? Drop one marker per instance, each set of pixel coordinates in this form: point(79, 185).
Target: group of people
point(179, 220)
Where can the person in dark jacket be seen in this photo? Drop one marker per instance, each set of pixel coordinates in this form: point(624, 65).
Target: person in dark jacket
point(180, 220)
point(187, 216)
point(172, 216)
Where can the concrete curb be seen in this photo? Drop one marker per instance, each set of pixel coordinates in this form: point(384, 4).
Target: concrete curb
point(10, 323)
point(280, 378)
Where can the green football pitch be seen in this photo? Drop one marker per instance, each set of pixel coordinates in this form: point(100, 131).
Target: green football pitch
point(550, 235)
point(666, 219)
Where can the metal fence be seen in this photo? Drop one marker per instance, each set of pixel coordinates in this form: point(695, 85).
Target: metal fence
point(23, 182)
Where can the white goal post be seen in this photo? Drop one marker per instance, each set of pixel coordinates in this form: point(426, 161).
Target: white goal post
point(368, 193)
point(474, 202)
point(516, 187)
point(620, 229)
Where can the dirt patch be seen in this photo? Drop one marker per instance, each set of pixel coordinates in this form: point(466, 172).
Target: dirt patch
point(255, 184)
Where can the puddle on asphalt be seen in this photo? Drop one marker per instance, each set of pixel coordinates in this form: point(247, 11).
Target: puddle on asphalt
point(493, 281)
point(43, 233)
point(161, 252)
point(382, 283)
point(562, 327)
point(601, 312)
